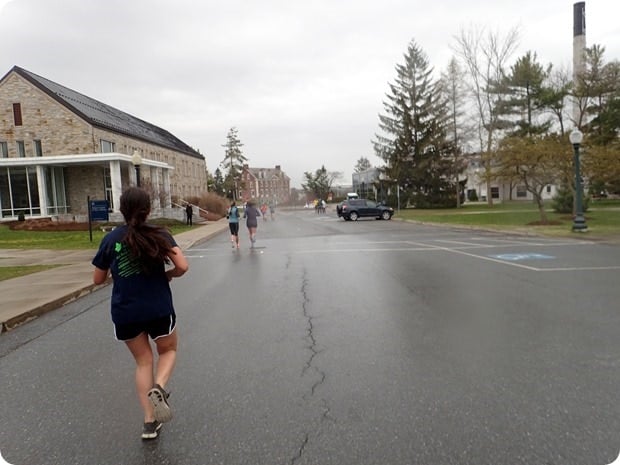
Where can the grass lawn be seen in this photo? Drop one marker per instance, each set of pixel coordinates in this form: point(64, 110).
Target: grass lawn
point(59, 240)
point(8, 272)
point(602, 218)
point(55, 240)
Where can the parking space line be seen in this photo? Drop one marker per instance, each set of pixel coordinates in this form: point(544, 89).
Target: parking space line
point(507, 243)
point(399, 249)
point(481, 257)
point(432, 245)
point(582, 268)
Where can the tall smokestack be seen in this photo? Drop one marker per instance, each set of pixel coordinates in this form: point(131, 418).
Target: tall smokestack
point(579, 49)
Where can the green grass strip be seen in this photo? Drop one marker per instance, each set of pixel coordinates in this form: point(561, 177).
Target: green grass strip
point(9, 272)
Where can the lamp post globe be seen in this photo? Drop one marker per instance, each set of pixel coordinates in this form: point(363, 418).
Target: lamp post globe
point(136, 159)
point(579, 221)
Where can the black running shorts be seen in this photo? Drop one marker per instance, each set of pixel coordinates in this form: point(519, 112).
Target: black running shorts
point(154, 328)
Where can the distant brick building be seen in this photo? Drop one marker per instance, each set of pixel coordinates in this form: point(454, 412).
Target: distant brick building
point(265, 185)
point(57, 147)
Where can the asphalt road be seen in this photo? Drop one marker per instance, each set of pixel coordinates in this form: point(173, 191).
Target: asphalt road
point(369, 342)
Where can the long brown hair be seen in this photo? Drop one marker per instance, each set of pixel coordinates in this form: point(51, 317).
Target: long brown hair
point(147, 243)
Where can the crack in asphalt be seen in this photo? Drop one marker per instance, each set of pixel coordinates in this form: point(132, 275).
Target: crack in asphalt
point(310, 337)
point(301, 449)
point(310, 365)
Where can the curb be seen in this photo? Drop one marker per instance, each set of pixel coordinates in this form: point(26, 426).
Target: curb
point(29, 315)
point(36, 312)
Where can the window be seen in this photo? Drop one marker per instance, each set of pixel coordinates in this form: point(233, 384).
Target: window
point(4, 150)
point(21, 149)
point(495, 192)
point(548, 189)
point(38, 149)
point(521, 192)
point(17, 114)
point(106, 146)
point(107, 186)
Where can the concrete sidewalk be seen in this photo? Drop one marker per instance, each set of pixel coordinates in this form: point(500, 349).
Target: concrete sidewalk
point(26, 297)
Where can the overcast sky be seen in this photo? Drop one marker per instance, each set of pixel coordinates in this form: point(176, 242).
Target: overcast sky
point(303, 81)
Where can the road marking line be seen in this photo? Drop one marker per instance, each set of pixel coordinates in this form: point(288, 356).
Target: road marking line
point(481, 257)
point(583, 268)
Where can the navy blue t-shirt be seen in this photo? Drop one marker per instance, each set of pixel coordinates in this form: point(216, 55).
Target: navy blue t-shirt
point(136, 295)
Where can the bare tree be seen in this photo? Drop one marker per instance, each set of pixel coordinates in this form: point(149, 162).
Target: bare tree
point(485, 55)
point(453, 87)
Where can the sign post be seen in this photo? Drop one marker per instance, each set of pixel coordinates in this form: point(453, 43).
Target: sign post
point(97, 211)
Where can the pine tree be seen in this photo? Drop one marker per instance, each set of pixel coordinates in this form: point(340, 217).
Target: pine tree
point(525, 87)
point(218, 182)
point(233, 162)
point(413, 139)
point(362, 165)
point(554, 94)
point(319, 183)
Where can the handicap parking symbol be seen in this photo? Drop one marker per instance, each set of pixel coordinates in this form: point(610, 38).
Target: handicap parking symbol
point(515, 257)
point(2, 461)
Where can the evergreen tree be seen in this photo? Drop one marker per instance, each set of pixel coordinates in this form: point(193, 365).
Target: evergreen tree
point(594, 88)
point(413, 140)
point(602, 81)
point(522, 109)
point(233, 162)
point(597, 93)
point(554, 94)
point(218, 182)
point(319, 183)
point(525, 87)
point(362, 165)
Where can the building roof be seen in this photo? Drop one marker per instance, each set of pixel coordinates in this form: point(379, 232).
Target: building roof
point(267, 173)
point(104, 116)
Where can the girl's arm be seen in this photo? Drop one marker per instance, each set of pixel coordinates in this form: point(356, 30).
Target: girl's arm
point(100, 276)
point(180, 264)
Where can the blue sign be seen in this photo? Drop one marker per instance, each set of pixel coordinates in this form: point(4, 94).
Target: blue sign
point(99, 210)
point(515, 257)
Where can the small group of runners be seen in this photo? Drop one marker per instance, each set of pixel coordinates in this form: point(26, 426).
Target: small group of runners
point(251, 214)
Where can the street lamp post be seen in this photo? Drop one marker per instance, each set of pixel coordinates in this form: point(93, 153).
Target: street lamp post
point(136, 159)
point(579, 222)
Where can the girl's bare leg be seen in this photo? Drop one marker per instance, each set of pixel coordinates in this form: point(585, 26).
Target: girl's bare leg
point(142, 353)
point(167, 350)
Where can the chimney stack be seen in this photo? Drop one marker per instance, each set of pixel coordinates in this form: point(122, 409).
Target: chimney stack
point(579, 49)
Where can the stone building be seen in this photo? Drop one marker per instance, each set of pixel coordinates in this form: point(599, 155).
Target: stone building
point(58, 147)
point(265, 185)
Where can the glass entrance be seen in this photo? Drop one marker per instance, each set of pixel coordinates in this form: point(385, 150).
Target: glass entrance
point(19, 192)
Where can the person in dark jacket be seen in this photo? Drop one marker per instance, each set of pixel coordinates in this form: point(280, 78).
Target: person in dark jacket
point(189, 212)
point(251, 213)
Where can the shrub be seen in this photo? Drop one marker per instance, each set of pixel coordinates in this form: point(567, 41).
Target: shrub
point(472, 195)
point(437, 199)
point(212, 202)
point(563, 201)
